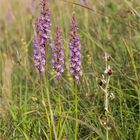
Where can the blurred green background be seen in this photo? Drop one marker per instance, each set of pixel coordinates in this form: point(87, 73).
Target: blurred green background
point(111, 26)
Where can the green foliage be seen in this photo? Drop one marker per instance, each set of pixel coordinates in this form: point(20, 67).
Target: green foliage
point(110, 26)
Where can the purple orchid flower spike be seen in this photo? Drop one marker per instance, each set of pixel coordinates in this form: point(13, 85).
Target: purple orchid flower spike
point(42, 36)
point(75, 50)
point(58, 53)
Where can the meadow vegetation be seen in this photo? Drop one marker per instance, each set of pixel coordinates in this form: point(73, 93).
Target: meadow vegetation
point(32, 108)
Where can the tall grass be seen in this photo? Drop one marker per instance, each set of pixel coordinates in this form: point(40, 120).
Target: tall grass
point(110, 26)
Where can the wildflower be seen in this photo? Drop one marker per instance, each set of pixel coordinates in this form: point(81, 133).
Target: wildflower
point(106, 123)
point(106, 57)
point(32, 6)
point(111, 96)
point(58, 53)
point(84, 2)
point(42, 36)
point(39, 49)
point(75, 50)
point(108, 70)
point(45, 21)
point(10, 17)
point(102, 81)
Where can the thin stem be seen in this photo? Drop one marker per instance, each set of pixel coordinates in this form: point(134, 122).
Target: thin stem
point(60, 110)
point(107, 95)
point(107, 106)
point(44, 105)
point(49, 105)
point(107, 135)
point(76, 111)
point(59, 99)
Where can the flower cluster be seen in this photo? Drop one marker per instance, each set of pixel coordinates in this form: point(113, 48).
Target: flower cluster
point(39, 49)
point(104, 83)
point(58, 53)
point(45, 21)
point(107, 72)
point(42, 40)
point(42, 37)
point(75, 50)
